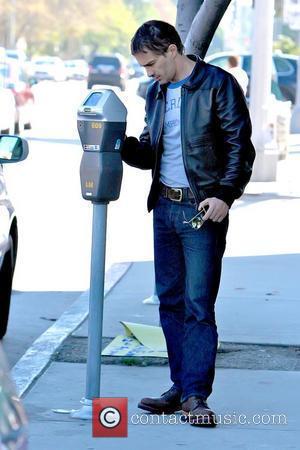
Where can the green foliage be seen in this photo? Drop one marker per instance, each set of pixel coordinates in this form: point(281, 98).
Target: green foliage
point(122, 25)
point(142, 10)
point(73, 28)
point(287, 45)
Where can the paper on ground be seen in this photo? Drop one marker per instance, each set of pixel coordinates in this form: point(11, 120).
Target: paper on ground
point(139, 340)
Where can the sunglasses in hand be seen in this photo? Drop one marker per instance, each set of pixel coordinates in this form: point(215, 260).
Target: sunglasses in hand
point(197, 221)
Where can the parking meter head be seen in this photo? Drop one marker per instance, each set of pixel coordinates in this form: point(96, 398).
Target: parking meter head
point(101, 123)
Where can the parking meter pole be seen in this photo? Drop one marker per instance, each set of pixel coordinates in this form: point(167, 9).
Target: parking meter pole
point(96, 301)
point(95, 321)
point(101, 123)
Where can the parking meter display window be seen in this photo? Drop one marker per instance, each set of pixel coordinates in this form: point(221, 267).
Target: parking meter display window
point(93, 99)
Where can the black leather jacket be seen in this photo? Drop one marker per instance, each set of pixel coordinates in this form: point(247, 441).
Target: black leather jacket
point(215, 132)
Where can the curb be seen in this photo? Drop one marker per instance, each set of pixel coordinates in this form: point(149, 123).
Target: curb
point(36, 359)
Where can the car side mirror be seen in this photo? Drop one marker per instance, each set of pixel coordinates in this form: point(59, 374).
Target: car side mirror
point(12, 149)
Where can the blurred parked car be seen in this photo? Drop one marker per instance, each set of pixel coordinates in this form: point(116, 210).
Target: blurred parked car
point(7, 108)
point(15, 79)
point(13, 421)
point(279, 113)
point(106, 69)
point(143, 85)
point(18, 55)
point(12, 149)
point(135, 70)
point(284, 69)
point(76, 69)
point(283, 88)
point(47, 68)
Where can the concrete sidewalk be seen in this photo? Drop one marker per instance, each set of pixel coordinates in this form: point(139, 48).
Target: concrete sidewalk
point(258, 303)
point(267, 400)
point(254, 397)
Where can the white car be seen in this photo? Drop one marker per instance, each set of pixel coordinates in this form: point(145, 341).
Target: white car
point(48, 68)
point(76, 69)
point(7, 110)
point(12, 150)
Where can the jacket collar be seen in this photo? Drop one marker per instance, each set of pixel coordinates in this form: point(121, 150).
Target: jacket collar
point(197, 75)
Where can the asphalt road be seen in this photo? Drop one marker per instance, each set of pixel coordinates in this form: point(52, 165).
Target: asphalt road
point(54, 221)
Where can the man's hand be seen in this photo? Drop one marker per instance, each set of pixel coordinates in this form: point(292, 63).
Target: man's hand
point(217, 209)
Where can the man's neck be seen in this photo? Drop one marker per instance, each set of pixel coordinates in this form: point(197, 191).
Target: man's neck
point(185, 67)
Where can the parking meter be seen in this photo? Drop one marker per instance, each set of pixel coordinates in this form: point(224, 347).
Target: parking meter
point(101, 123)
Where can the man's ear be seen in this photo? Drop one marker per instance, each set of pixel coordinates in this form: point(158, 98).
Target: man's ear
point(173, 49)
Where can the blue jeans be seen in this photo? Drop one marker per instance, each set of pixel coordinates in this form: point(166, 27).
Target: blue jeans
point(187, 274)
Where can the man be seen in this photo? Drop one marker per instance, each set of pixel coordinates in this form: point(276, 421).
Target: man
point(239, 74)
point(197, 143)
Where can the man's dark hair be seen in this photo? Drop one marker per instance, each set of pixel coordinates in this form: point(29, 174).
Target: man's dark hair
point(156, 36)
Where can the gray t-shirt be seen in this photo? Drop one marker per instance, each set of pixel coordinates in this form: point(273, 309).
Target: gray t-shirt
point(172, 171)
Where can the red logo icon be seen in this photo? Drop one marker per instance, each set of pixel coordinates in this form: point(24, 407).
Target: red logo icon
point(110, 417)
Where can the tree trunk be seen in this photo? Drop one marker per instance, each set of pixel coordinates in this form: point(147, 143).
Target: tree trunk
point(186, 11)
point(204, 26)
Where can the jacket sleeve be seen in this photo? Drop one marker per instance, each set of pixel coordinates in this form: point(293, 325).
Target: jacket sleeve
point(139, 152)
point(235, 125)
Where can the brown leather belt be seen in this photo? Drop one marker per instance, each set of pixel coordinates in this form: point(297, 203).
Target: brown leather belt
point(175, 194)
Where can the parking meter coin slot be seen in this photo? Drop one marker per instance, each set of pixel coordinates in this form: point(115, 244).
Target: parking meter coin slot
point(104, 135)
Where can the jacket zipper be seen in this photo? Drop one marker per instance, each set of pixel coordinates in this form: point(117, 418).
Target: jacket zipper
point(183, 96)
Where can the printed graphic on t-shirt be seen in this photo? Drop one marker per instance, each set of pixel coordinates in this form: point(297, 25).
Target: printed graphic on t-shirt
point(172, 113)
point(173, 103)
point(172, 171)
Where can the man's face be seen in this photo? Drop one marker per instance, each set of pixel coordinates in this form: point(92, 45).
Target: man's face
point(160, 67)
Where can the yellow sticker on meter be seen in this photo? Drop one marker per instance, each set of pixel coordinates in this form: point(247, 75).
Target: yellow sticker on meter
point(96, 125)
point(89, 184)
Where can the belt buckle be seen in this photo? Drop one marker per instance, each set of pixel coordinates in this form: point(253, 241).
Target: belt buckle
point(176, 191)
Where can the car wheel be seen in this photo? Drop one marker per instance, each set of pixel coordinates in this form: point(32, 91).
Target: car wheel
point(6, 278)
point(89, 85)
point(27, 126)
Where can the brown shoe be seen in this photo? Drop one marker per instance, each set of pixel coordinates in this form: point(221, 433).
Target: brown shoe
point(197, 412)
point(167, 403)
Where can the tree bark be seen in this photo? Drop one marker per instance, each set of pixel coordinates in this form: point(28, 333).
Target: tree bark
point(204, 26)
point(186, 11)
